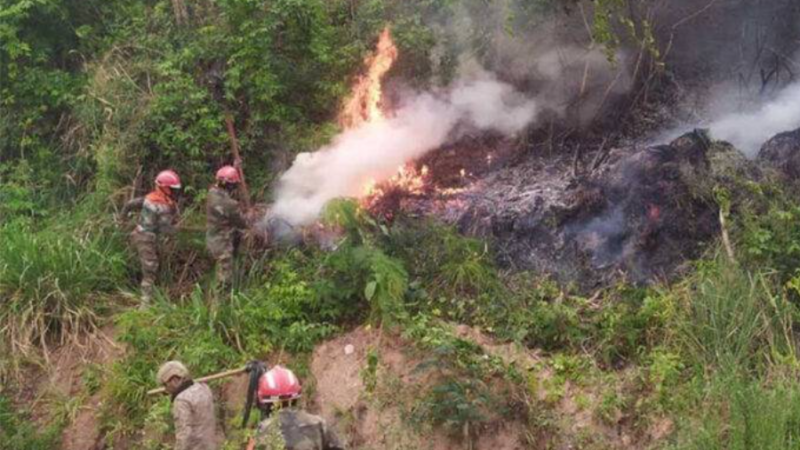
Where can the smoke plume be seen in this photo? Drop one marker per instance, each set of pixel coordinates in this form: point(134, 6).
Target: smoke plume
point(747, 131)
point(551, 54)
point(375, 150)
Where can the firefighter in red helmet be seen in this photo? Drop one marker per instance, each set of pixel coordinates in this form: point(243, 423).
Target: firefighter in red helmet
point(284, 425)
point(224, 223)
point(159, 210)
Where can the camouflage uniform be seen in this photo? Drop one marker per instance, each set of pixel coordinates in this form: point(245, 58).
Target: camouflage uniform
point(157, 216)
point(195, 421)
point(298, 431)
point(223, 224)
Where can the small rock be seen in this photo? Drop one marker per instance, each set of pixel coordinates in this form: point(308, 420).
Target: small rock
point(349, 349)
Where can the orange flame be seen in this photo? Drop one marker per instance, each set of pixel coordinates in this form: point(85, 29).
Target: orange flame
point(408, 180)
point(363, 106)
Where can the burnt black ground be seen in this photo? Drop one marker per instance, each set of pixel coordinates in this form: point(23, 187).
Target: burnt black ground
point(641, 214)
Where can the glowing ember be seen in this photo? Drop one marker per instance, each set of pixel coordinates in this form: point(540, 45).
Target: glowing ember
point(653, 213)
point(364, 102)
point(407, 180)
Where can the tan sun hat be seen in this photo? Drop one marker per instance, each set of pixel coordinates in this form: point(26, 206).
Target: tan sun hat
point(171, 369)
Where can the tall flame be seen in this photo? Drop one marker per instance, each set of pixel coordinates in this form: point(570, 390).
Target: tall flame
point(363, 106)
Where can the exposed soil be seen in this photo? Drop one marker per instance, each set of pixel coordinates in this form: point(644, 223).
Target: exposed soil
point(376, 421)
point(379, 421)
point(366, 416)
point(66, 381)
point(575, 409)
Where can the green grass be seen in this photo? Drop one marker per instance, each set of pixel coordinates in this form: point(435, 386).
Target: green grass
point(715, 349)
point(735, 320)
point(736, 341)
point(18, 431)
point(52, 278)
point(745, 414)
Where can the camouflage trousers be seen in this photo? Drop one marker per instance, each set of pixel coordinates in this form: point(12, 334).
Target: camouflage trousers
point(223, 249)
point(146, 244)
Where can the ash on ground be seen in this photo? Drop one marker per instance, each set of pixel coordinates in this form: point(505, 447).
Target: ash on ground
point(638, 213)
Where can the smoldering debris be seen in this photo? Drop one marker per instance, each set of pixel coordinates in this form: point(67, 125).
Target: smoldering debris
point(640, 215)
point(782, 154)
point(640, 212)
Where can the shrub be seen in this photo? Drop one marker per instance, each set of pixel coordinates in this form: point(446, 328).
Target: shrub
point(363, 278)
point(470, 387)
point(281, 312)
point(359, 269)
point(767, 231)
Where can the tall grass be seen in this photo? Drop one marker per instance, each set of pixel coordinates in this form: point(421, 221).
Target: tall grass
point(276, 313)
point(736, 321)
point(747, 415)
point(50, 279)
point(736, 329)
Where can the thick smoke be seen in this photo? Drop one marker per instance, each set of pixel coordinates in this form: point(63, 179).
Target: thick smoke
point(747, 131)
point(375, 151)
point(548, 54)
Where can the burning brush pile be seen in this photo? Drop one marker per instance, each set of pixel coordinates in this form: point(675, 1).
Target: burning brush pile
point(634, 211)
point(639, 214)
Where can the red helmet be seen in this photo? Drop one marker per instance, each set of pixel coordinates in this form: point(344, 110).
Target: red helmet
point(228, 174)
point(169, 179)
point(277, 385)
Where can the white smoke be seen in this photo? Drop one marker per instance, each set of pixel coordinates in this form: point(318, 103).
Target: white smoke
point(376, 150)
point(747, 131)
point(553, 54)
